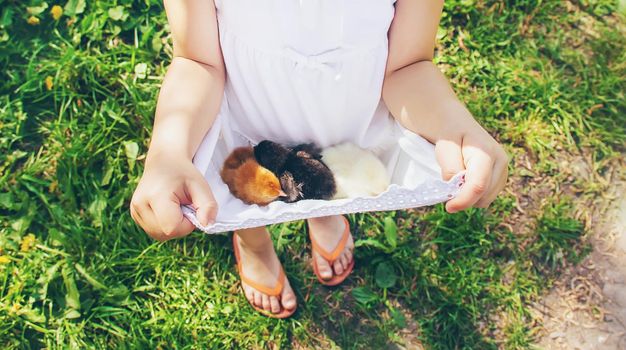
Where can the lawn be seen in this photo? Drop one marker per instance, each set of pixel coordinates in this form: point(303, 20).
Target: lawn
point(78, 85)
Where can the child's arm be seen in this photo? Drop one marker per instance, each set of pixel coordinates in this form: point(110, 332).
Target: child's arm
point(188, 103)
point(419, 96)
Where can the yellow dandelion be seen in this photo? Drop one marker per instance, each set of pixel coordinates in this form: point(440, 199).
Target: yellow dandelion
point(56, 12)
point(33, 21)
point(27, 242)
point(49, 83)
point(15, 308)
point(53, 186)
point(4, 259)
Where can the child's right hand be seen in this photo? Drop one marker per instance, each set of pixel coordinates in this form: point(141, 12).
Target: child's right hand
point(169, 181)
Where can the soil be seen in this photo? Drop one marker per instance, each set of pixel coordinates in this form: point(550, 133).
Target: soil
point(586, 308)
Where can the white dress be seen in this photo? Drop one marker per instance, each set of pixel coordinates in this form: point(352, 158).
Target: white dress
point(312, 71)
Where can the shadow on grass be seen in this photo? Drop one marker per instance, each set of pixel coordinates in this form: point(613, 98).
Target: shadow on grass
point(443, 325)
point(359, 314)
point(462, 281)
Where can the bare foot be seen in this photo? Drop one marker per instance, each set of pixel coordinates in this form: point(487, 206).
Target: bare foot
point(327, 232)
point(261, 265)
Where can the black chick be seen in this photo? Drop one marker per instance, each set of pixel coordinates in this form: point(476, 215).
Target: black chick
point(305, 171)
point(271, 155)
point(300, 169)
point(308, 150)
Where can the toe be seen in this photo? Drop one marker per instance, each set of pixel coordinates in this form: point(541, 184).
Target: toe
point(344, 261)
point(288, 299)
point(323, 267)
point(337, 267)
point(249, 294)
point(266, 302)
point(274, 305)
point(349, 255)
point(258, 299)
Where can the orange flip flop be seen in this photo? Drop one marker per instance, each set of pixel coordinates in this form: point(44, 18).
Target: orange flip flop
point(276, 291)
point(332, 256)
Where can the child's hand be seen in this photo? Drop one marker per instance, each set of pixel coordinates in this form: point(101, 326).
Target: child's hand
point(167, 182)
point(483, 159)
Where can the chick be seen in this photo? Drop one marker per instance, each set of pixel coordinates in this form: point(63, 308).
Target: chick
point(271, 155)
point(305, 171)
point(293, 190)
point(249, 181)
point(358, 172)
point(302, 173)
point(308, 150)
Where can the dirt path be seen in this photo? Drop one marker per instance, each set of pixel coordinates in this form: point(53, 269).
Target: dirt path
point(586, 309)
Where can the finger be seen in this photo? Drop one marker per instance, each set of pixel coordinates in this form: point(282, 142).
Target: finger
point(170, 217)
point(135, 215)
point(138, 220)
point(449, 157)
point(203, 200)
point(145, 218)
point(477, 180)
point(498, 181)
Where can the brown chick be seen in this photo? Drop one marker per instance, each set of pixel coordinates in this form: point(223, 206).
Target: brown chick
point(249, 181)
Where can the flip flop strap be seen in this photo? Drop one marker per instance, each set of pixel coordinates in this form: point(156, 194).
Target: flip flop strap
point(332, 256)
point(274, 291)
point(271, 291)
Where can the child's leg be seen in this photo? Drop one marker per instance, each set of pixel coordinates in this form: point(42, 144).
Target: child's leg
point(327, 232)
point(261, 265)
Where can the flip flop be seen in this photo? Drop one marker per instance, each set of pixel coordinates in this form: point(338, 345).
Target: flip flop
point(276, 291)
point(332, 256)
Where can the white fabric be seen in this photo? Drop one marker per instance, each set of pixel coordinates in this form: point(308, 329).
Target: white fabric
point(312, 71)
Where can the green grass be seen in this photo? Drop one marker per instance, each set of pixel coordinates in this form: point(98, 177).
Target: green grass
point(77, 96)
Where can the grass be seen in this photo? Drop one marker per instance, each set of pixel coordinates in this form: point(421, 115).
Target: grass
point(77, 96)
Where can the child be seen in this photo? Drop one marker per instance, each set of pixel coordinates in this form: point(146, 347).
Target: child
point(275, 61)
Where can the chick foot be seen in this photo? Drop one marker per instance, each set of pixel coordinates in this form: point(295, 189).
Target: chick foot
point(261, 265)
point(327, 232)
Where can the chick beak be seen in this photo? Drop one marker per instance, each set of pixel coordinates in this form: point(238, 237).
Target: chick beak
point(282, 193)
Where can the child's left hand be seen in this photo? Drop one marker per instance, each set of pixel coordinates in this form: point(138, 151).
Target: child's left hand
point(419, 96)
point(483, 159)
